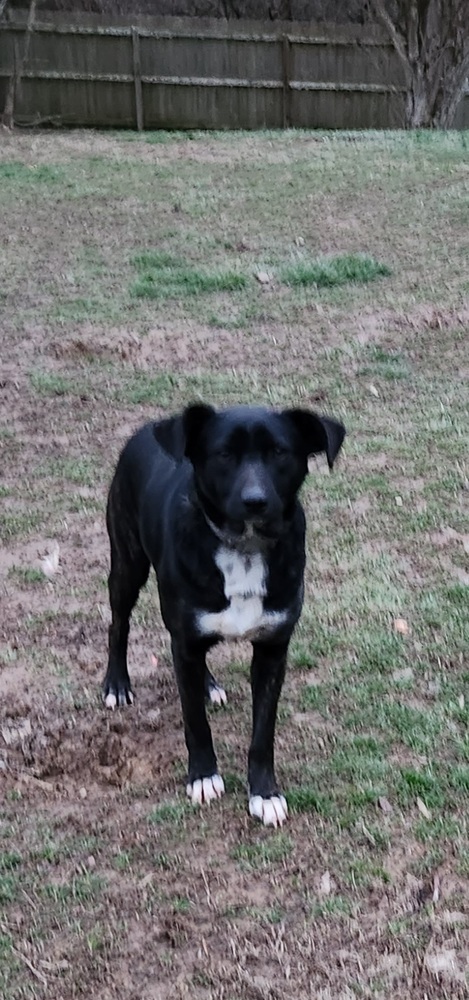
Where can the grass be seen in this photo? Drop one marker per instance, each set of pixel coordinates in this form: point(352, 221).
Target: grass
point(168, 812)
point(134, 293)
point(263, 853)
point(19, 174)
point(334, 271)
point(163, 276)
point(170, 283)
point(27, 575)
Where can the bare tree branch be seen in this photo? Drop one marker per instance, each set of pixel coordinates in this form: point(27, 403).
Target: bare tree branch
point(18, 68)
point(380, 12)
point(29, 31)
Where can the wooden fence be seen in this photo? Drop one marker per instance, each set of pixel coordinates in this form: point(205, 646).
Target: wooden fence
point(181, 73)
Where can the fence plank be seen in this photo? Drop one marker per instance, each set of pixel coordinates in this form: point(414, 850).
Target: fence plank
point(286, 67)
point(137, 79)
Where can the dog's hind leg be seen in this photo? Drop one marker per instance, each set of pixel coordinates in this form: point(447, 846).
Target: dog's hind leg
point(214, 692)
point(129, 573)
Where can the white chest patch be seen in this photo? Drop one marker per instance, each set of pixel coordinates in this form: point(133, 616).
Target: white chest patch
point(245, 588)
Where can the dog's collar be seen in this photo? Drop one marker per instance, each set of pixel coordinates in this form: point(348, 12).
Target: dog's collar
point(249, 541)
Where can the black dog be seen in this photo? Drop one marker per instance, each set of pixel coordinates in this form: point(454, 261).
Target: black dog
point(210, 499)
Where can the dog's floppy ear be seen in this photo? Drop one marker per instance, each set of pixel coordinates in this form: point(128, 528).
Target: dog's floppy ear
point(170, 435)
point(318, 433)
point(194, 418)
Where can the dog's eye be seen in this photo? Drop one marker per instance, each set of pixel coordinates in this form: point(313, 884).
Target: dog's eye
point(278, 450)
point(224, 453)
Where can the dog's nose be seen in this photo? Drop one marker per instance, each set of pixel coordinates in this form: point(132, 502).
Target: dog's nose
point(255, 502)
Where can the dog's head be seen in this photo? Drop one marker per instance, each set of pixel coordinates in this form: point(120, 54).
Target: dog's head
point(249, 462)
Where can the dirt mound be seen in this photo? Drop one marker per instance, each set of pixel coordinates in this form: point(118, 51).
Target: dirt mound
point(88, 746)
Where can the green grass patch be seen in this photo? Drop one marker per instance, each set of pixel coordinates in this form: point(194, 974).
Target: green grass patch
point(314, 696)
point(263, 853)
point(22, 173)
point(83, 471)
point(333, 271)
point(175, 284)
point(363, 873)
point(79, 889)
point(337, 907)
point(27, 576)
point(9, 860)
point(77, 310)
point(423, 784)
point(9, 888)
point(18, 524)
point(169, 812)
point(52, 384)
point(392, 366)
point(163, 276)
point(307, 799)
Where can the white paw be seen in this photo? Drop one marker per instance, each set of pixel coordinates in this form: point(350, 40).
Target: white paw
point(122, 699)
point(217, 696)
point(204, 790)
point(271, 812)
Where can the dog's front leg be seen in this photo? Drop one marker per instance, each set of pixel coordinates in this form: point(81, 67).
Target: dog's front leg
point(267, 676)
point(204, 783)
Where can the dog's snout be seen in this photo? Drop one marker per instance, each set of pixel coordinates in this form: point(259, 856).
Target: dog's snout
point(255, 501)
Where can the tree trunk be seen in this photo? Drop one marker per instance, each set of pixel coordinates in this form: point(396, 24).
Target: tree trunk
point(418, 110)
point(431, 38)
point(450, 94)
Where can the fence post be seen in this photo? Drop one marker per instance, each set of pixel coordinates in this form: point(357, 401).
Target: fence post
point(137, 78)
point(286, 70)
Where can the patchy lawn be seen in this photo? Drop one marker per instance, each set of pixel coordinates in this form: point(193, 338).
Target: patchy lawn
point(139, 273)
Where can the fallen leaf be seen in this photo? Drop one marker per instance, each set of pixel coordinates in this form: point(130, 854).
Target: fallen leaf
point(59, 966)
point(384, 804)
point(325, 884)
point(30, 779)
point(146, 880)
point(454, 917)
point(263, 277)
point(17, 733)
point(444, 962)
point(461, 701)
point(405, 674)
point(152, 719)
point(399, 501)
point(50, 563)
point(401, 626)
point(436, 888)
point(423, 809)
point(373, 390)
